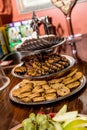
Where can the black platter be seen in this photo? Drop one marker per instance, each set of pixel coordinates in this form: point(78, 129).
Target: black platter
point(41, 44)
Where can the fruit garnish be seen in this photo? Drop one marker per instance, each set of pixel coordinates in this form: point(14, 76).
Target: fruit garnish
point(66, 116)
point(62, 110)
point(77, 124)
point(51, 114)
point(62, 120)
point(57, 126)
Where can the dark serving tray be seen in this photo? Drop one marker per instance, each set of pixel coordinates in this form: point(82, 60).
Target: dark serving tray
point(34, 46)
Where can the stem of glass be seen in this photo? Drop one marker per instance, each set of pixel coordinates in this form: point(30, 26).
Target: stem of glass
point(71, 34)
point(69, 24)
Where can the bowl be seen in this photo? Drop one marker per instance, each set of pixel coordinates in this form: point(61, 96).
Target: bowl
point(15, 57)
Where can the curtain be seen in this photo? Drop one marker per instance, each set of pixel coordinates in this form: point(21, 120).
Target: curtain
point(5, 7)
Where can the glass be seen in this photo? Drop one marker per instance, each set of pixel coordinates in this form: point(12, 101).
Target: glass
point(66, 7)
point(4, 80)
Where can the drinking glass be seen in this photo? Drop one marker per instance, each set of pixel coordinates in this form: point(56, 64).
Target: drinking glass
point(66, 7)
point(4, 80)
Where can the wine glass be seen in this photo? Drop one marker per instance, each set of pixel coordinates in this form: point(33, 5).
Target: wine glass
point(66, 7)
point(4, 80)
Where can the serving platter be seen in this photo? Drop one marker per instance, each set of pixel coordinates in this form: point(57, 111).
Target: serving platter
point(74, 91)
point(17, 127)
point(71, 61)
point(35, 46)
point(80, 116)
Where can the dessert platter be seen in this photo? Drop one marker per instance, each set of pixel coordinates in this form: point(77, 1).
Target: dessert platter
point(36, 92)
point(42, 44)
point(52, 64)
point(46, 77)
point(38, 59)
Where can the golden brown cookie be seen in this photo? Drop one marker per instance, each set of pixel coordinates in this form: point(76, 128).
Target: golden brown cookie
point(72, 73)
point(50, 96)
point(23, 95)
point(38, 99)
point(68, 79)
point(25, 99)
point(73, 85)
point(39, 82)
point(45, 86)
point(78, 75)
point(40, 90)
point(57, 85)
point(53, 81)
point(33, 95)
point(62, 91)
point(24, 81)
point(51, 90)
point(20, 69)
point(26, 88)
point(16, 92)
point(36, 88)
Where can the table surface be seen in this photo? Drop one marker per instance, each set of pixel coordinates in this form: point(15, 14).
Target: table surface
point(12, 113)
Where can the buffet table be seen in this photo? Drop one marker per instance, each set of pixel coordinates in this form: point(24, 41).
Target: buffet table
point(12, 114)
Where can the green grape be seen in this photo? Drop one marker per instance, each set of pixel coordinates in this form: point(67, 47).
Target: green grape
point(31, 126)
point(32, 116)
point(44, 124)
point(26, 121)
point(51, 127)
point(25, 127)
point(40, 118)
point(39, 128)
point(27, 124)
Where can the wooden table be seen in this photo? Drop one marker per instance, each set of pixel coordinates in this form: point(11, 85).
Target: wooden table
point(12, 113)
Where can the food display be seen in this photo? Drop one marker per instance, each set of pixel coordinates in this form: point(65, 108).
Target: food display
point(37, 66)
point(48, 76)
point(46, 91)
point(62, 120)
